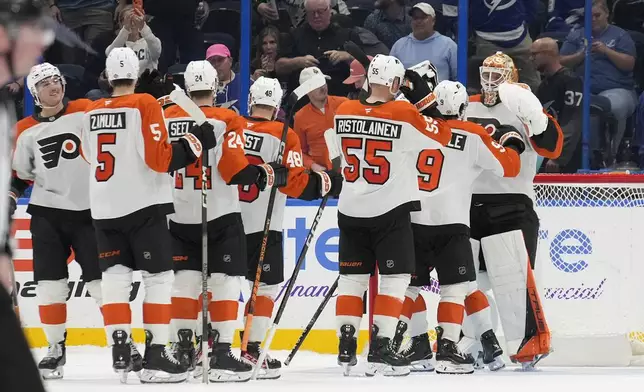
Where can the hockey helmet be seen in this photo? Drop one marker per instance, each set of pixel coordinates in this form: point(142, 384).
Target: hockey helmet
point(383, 70)
point(200, 76)
point(122, 63)
point(495, 70)
point(39, 73)
point(265, 91)
point(452, 98)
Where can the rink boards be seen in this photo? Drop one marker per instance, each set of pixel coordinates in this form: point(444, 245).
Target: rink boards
point(589, 271)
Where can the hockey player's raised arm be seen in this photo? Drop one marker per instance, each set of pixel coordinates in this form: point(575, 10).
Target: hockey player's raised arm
point(436, 130)
point(490, 155)
point(549, 143)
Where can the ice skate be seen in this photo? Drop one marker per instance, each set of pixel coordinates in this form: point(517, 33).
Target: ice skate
point(383, 360)
point(185, 349)
point(159, 365)
point(492, 351)
point(396, 342)
point(51, 366)
point(270, 372)
point(347, 348)
point(136, 359)
point(198, 371)
point(419, 353)
point(121, 354)
point(224, 366)
point(449, 359)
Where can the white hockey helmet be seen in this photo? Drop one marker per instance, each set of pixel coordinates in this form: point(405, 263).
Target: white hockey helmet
point(383, 70)
point(200, 76)
point(265, 91)
point(122, 63)
point(452, 98)
point(40, 72)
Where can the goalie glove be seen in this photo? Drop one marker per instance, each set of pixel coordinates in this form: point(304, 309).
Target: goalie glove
point(271, 175)
point(509, 137)
point(525, 105)
point(330, 183)
point(418, 92)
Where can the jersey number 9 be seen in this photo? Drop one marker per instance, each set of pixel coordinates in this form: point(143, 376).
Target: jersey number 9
point(430, 166)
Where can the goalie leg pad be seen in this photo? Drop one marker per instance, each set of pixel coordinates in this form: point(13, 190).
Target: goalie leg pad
point(225, 304)
point(388, 303)
point(156, 304)
point(349, 306)
point(508, 266)
point(184, 304)
point(52, 298)
point(264, 305)
point(116, 285)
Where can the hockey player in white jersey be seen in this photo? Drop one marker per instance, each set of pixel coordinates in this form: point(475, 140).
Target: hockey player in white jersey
point(228, 168)
point(380, 139)
point(441, 229)
point(263, 133)
point(504, 224)
point(125, 140)
point(47, 154)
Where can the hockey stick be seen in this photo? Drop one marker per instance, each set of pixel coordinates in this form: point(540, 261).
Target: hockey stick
point(309, 327)
point(289, 288)
point(296, 95)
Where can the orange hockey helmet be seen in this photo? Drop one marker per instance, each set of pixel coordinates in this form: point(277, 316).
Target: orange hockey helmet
point(494, 71)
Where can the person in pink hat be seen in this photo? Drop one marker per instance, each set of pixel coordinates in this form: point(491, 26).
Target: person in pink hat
point(357, 77)
point(229, 88)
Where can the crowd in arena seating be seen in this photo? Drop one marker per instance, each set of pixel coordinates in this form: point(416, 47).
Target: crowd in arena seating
point(290, 36)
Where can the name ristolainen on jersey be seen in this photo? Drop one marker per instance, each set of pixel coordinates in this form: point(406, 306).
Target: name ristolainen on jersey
point(102, 121)
point(369, 128)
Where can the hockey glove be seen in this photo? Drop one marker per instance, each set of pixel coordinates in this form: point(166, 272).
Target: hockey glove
point(271, 175)
point(418, 92)
point(525, 105)
point(206, 135)
point(330, 183)
point(509, 137)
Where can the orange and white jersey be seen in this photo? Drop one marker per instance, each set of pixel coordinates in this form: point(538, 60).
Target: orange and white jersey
point(263, 138)
point(227, 157)
point(125, 140)
point(446, 175)
point(490, 118)
point(47, 152)
point(380, 145)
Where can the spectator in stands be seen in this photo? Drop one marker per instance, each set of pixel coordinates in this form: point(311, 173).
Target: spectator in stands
point(229, 90)
point(104, 89)
point(424, 43)
point(561, 94)
point(267, 48)
point(357, 78)
point(390, 21)
point(136, 34)
point(612, 62)
point(296, 10)
point(91, 19)
point(312, 120)
point(501, 26)
point(564, 15)
point(318, 42)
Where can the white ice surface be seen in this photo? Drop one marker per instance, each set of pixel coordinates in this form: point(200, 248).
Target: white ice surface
point(89, 369)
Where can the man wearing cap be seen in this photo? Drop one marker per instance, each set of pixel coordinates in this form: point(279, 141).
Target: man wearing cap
point(357, 77)
point(424, 43)
point(313, 119)
point(390, 21)
point(229, 88)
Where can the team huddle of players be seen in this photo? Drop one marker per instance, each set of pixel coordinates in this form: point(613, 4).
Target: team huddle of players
point(108, 174)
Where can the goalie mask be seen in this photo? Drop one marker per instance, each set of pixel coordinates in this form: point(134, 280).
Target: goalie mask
point(495, 70)
point(267, 92)
point(42, 75)
point(452, 99)
point(200, 76)
point(384, 70)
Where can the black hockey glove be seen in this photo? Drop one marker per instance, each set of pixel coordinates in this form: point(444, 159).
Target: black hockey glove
point(330, 183)
point(206, 135)
point(509, 137)
point(418, 92)
point(153, 83)
point(271, 175)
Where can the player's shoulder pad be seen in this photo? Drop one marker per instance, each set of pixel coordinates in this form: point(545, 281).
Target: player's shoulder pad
point(469, 127)
point(25, 124)
point(222, 114)
point(78, 105)
point(174, 111)
point(349, 106)
point(145, 99)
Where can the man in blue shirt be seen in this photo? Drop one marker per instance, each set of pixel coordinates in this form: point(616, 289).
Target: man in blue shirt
point(612, 62)
point(426, 44)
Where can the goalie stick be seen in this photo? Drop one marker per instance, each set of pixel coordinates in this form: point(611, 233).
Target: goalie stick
point(296, 95)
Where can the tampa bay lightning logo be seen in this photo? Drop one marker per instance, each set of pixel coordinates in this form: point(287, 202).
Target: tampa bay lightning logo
point(572, 244)
point(498, 5)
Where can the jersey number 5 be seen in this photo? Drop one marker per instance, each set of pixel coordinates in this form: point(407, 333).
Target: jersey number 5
point(430, 166)
point(378, 172)
point(105, 168)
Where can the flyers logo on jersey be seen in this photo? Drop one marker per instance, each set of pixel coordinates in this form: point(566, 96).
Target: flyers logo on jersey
point(54, 147)
point(102, 121)
point(253, 142)
point(179, 128)
point(368, 128)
